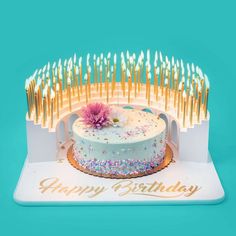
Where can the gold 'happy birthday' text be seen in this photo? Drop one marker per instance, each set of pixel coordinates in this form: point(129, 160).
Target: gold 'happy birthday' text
point(122, 188)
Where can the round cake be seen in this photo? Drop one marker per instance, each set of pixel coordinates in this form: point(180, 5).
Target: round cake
point(134, 144)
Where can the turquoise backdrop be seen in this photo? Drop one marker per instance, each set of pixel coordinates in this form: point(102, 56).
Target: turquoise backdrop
point(33, 32)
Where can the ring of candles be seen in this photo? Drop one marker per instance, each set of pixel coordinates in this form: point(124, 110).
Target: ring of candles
point(66, 86)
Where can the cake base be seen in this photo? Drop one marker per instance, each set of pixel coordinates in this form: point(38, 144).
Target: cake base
point(58, 183)
point(166, 161)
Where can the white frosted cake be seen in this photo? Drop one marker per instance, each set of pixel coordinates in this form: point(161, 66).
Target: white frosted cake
point(130, 142)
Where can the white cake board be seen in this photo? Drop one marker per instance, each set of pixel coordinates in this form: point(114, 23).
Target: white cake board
point(180, 183)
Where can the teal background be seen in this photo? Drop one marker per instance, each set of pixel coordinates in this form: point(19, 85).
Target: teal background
point(33, 32)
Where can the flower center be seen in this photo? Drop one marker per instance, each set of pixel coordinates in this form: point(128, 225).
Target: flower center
point(115, 120)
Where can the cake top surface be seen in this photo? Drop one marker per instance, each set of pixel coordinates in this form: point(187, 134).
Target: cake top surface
point(138, 126)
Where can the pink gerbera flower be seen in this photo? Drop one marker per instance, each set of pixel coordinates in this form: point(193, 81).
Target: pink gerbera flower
point(96, 115)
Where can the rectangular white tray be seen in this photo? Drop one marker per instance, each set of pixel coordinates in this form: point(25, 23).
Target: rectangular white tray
point(58, 183)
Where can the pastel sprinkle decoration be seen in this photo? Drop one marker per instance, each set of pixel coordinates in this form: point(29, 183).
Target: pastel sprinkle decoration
point(118, 167)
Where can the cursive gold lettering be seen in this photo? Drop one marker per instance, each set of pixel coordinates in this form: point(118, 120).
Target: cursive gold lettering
point(53, 185)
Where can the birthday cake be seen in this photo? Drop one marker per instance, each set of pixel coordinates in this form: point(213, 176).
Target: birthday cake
point(118, 143)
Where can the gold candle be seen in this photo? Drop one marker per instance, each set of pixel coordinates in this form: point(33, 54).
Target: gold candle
point(44, 106)
point(100, 80)
point(107, 82)
point(52, 109)
point(77, 82)
point(86, 87)
point(69, 91)
point(89, 82)
point(114, 71)
point(39, 97)
point(36, 104)
point(135, 81)
point(157, 77)
point(187, 95)
point(206, 95)
point(124, 82)
point(97, 68)
point(166, 94)
point(196, 96)
point(129, 84)
point(172, 73)
point(182, 90)
point(147, 73)
point(168, 77)
point(149, 88)
point(57, 100)
point(206, 102)
point(80, 75)
point(48, 97)
point(178, 103)
point(139, 78)
point(28, 97)
point(94, 70)
point(176, 88)
point(184, 97)
point(191, 108)
point(112, 81)
point(162, 78)
point(61, 94)
point(199, 105)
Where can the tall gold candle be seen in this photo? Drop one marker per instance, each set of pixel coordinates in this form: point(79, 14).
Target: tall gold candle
point(147, 73)
point(135, 81)
point(206, 102)
point(172, 73)
point(77, 82)
point(166, 94)
point(179, 100)
point(57, 99)
point(48, 97)
point(112, 81)
point(52, 109)
point(163, 78)
point(39, 96)
point(86, 87)
point(207, 84)
point(187, 96)
point(61, 92)
point(54, 89)
point(44, 106)
point(69, 92)
point(184, 109)
point(168, 77)
point(114, 71)
point(89, 81)
point(129, 84)
point(100, 80)
point(176, 88)
point(157, 75)
point(80, 75)
point(155, 79)
point(107, 82)
point(199, 105)
point(36, 105)
point(196, 96)
point(139, 78)
point(97, 69)
point(191, 108)
point(182, 90)
point(123, 79)
point(28, 97)
point(94, 70)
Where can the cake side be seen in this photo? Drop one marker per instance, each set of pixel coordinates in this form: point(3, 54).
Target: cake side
point(141, 138)
point(135, 148)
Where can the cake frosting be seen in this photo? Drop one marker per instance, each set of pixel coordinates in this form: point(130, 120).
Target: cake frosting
point(135, 147)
